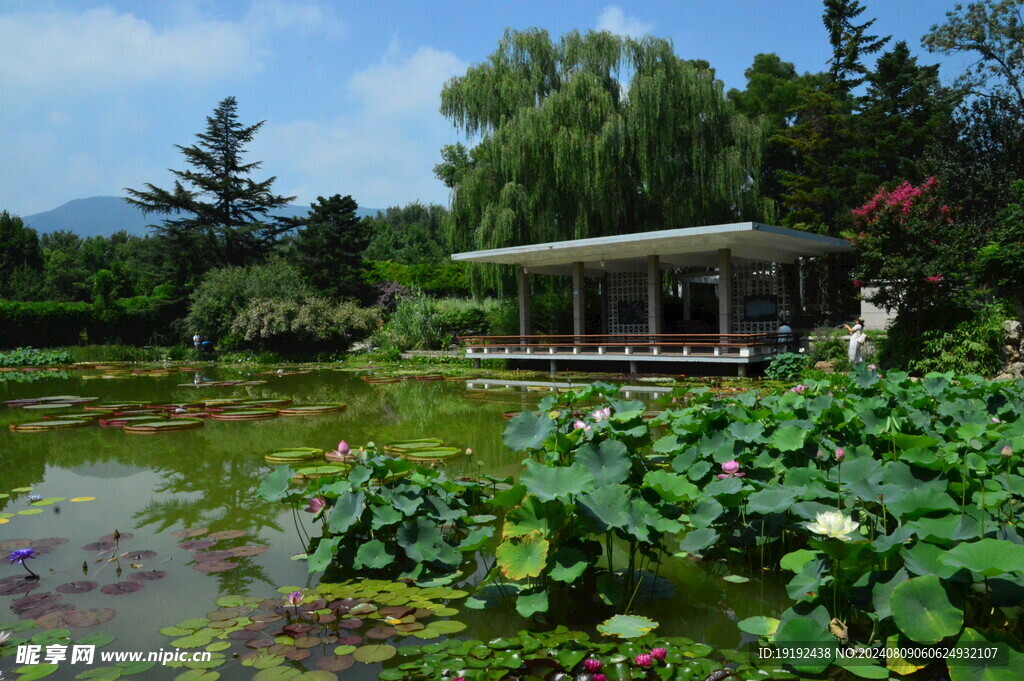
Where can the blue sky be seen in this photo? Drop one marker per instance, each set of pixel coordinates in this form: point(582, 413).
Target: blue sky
point(95, 95)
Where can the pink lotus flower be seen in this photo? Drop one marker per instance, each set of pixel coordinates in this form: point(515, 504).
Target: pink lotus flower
point(840, 454)
point(601, 414)
point(294, 598)
point(1006, 451)
point(316, 505)
point(644, 660)
point(659, 654)
point(591, 665)
point(342, 453)
point(579, 425)
point(730, 469)
point(343, 448)
point(798, 389)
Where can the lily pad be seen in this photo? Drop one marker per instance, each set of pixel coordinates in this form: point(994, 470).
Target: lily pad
point(627, 626)
point(121, 588)
point(77, 587)
point(147, 575)
point(215, 566)
point(88, 618)
point(227, 534)
point(371, 653)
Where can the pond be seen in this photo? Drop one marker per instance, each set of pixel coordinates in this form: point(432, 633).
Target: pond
point(171, 496)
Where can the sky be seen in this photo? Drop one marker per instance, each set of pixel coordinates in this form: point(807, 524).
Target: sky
point(94, 95)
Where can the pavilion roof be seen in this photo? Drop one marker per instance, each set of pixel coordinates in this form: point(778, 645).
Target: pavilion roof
point(687, 247)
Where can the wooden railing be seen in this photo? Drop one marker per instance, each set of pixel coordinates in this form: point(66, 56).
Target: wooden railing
point(685, 344)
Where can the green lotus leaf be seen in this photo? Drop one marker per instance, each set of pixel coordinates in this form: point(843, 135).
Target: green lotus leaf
point(770, 501)
point(374, 554)
point(746, 432)
point(568, 564)
point(759, 625)
point(1010, 669)
point(534, 516)
point(275, 486)
point(988, 557)
point(672, 487)
point(789, 438)
point(547, 482)
point(324, 554)
point(522, 557)
point(627, 626)
point(527, 431)
point(608, 505)
point(608, 462)
point(696, 541)
point(528, 604)
point(922, 611)
point(347, 511)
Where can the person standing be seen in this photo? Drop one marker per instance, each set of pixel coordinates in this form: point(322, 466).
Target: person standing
point(196, 341)
point(857, 340)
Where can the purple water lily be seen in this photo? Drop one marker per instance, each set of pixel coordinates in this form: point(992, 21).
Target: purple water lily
point(294, 598)
point(316, 506)
point(19, 556)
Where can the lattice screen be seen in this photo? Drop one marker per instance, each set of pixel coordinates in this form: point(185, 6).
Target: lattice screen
point(627, 302)
point(756, 287)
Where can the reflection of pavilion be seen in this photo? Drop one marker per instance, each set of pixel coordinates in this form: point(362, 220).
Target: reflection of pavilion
point(750, 265)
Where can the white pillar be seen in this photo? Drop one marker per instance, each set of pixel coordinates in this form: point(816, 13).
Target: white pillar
point(724, 290)
point(578, 300)
point(654, 324)
point(524, 304)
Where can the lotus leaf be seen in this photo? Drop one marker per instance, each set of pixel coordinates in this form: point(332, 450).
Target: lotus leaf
point(522, 557)
point(922, 611)
point(627, 626)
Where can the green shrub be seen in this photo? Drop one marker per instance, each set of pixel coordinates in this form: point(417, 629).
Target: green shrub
point(422, 323)
point(224, 293)
point(970, 344)
point(787, 366)
point(440, 278)
point(830, 345)
point(137, 321)
point(309, 325)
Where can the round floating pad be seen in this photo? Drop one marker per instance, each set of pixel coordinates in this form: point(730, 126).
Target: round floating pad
point(51, 424)
point(88, 415)
point(138, 412)
point(222, 402)
point(244, 415)
point(118, 421)
point(312, 409)
point(509, 415)
point(320, 471)
point(163, 426)
point(402, 446)
point(49, 405)
point(190, 415)
point(379, 379)
point(116, 406)
point(429, 377)
point(294, 455)
point(271, 402)
point(432, 454)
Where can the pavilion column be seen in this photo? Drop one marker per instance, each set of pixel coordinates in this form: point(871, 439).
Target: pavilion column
point(578, 301)
point(685, 286)
point(604, 304)
point(654, 324)
point(724, 290)
point(524, 304)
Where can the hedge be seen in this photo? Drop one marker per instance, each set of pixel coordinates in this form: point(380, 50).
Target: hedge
point(132, 321)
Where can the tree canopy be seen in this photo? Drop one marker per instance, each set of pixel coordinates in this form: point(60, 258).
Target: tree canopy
point(593, 135)
point(225, 213)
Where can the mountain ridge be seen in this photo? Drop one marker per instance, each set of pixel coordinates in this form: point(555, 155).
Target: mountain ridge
point(104, 215)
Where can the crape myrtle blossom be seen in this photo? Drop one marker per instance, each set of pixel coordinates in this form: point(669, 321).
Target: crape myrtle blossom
point(833, 524)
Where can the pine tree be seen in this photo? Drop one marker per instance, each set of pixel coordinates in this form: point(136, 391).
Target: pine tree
point(225, 214)
point(849, 43)
point(329, 250)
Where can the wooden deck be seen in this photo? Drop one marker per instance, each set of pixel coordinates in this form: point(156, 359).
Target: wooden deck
point(735, 349)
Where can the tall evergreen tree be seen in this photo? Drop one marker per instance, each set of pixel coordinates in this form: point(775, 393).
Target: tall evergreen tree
point(903, 111)
point(21, 260)
point(329, 249)
point(225, 213)
point(569, 151)
point(850, 43)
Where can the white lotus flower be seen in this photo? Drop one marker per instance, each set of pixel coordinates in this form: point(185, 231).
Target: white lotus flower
point(833, 524)
point(4, 635)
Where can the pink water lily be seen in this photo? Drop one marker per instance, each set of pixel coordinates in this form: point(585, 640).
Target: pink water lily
point(591, 665)
point(599, 677)
point(644, 660)
point(730, 469)
point(659, 654)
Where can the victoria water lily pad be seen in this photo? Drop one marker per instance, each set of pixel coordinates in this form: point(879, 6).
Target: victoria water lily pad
point(627, 626)
point(164, 426)
point(245, 415)
point(53, 424)
point(312, 409)
point(293, 455)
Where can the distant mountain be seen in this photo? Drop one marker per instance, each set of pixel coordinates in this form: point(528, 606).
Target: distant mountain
point(104, 215)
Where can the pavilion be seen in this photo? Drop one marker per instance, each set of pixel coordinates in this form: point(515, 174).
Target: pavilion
point(749, 263)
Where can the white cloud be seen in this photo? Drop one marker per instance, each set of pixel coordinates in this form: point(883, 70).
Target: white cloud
point(615, 20)
point(383, 152)
point(101, 48)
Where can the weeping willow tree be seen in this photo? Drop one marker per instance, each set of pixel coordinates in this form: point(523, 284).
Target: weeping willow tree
point(592, 136)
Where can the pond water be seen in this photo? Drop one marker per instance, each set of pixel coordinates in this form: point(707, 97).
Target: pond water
point(151, 486)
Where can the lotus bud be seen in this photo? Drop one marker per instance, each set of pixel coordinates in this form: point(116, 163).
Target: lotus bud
point(591, 665)
point(995, 419)
point(343, 448)
point(840, 454)
point(294, 598)
point(644, 660)
point(821, 454)
point(1007, 452)
point(659, 654)
point(469, 451)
